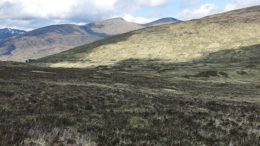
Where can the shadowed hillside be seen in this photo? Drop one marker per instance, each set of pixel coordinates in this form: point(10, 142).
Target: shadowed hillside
point(239, 65)
point(249, 54)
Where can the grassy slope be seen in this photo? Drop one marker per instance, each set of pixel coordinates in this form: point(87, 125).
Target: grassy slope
point(175, 43)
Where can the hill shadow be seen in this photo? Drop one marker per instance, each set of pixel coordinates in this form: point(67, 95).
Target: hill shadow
point(244, 57)
point(88, 29)
point(249, 54)
point(243, 54)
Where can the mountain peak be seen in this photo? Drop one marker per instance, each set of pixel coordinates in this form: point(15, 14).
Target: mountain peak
point(11, 29)
point(6, 33)
point(166, 20)
point(116, 19)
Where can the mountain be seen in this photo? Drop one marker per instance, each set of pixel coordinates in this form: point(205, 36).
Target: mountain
point(182, 42)
point(168, 20)
point(114, 26)
point(57, 38)
point(8, 32)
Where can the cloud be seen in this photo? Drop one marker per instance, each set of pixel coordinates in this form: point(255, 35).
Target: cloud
point(26, 13)
point(201, 11)
point(30, 14)
point(237, 4)
point(21, 9)
point(153, 2)
point(140, 20)
point(61, 9)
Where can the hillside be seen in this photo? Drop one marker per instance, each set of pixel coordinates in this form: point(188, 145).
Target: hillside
point(6, 33)
point(246, 15)
point(57, 38)
point(182, 42)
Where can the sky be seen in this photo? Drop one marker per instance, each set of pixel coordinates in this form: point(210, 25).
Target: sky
point(32, 14)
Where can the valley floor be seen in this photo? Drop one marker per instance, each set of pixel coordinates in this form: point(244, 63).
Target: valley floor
point(136, 103)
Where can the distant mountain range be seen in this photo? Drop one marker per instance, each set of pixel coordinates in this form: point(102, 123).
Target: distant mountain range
point(57, 38)
point(8, 33)
point(183, 42)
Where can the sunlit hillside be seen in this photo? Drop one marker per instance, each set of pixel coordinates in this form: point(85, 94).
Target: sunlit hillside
point(188, 41)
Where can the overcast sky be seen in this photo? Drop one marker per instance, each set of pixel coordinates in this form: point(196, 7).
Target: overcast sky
point(31, 14)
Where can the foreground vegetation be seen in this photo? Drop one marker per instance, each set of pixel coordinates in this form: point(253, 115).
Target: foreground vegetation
point(135, 102)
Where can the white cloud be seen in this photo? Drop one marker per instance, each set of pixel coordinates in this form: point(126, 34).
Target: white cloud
point(140, 20)
point(37, 13)
point(52, 8)
point(201, 11)
point(237, 4)
point(67, 8)
point(28, 14)
point(153, 2)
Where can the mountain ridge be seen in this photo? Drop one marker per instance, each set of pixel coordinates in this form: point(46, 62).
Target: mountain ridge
point(57, 38)
point(54, 39)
